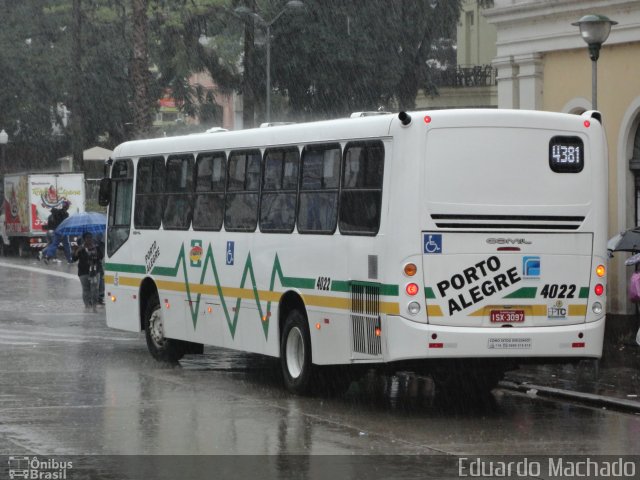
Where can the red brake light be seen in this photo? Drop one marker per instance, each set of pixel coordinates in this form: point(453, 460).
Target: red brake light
point(412, 289)
point(587, 123)
point(599, 289)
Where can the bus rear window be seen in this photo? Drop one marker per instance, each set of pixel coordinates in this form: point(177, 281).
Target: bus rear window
point(361, 194)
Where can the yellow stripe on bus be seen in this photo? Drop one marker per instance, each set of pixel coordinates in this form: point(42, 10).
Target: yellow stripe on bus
point(125, 281)
point(577, 310)
point(434, 311)
point(340, 303)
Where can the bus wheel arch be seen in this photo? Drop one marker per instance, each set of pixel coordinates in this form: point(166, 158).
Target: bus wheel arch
point(163, 349)
point(148, 290)
point(291, 300)
point(295, 344)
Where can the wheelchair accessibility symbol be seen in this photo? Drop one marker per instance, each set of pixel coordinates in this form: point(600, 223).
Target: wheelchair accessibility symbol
point(230, 250)
point(432, 243)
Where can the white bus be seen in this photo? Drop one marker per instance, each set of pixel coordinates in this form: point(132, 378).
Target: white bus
point(467, 241)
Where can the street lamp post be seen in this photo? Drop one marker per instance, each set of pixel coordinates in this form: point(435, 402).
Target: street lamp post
point(594, 30)
point(4, 139)
point(267, 25)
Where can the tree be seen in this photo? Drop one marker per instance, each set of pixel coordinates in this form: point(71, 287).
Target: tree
point(140, 68)
point(43, 69)
point(187, 38)
point(249, 67)
point(357, 54)
point(77, 87)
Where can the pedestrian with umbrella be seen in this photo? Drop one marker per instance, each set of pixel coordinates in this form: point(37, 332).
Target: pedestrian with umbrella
point(629, 241)
point(89, 254)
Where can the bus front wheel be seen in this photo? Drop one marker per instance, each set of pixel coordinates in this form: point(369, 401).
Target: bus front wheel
point(160, 347)
point(295, 354)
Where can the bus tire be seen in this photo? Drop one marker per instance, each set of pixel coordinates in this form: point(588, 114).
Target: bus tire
point(161, 348)
point(295, 354)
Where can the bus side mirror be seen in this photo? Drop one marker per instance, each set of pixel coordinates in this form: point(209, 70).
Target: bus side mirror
point(104, 195)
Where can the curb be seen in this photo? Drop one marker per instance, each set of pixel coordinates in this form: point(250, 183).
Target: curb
point(619, 404)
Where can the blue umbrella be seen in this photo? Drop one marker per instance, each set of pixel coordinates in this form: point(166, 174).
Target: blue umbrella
point(79, 223)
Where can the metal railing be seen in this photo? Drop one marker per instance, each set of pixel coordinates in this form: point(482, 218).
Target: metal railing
point(465, 76)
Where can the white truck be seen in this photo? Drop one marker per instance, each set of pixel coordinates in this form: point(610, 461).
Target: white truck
point(27, 202)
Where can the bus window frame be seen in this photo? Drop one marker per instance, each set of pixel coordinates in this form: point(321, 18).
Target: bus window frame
point(232, 192)
point(355, 189)
point(285, 149)
point(323, 147)
point(167, 197)
point(151, 194)
point(199, 157)
point(113, 204)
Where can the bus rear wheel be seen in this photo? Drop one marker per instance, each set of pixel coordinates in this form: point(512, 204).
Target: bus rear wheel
point(295, 354)
point(162, 348)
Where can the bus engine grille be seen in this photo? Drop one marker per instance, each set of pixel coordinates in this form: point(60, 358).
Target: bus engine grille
point(365, 318)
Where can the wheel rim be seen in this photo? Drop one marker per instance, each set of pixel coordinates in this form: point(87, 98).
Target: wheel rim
point(156, 329)
point(295, 352)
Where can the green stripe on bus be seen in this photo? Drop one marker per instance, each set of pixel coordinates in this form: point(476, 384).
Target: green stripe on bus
point(293, 282)
point(584, 292)
point(339, 286)
point(125, 268)
point(524, 292)
point(428, 293)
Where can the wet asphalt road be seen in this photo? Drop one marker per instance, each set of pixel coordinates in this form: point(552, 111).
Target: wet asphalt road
point(71, 386)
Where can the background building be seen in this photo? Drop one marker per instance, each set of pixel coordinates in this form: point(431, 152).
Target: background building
point(543, 64)
point(471, 82)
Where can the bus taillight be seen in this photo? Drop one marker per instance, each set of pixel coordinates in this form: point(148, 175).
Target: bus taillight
point(412, 289)
point(410, 269)
point(599, 289)
point(601, 270)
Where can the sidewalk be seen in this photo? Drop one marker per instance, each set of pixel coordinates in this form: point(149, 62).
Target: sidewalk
point(613, 382)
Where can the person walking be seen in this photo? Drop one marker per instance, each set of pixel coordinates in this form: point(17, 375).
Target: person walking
point(89, 256)
point(58, 215)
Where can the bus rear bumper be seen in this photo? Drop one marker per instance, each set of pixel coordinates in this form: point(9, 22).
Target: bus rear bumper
point(407, 340)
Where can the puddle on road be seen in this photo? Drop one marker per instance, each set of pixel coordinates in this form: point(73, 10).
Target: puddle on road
point(403, 391)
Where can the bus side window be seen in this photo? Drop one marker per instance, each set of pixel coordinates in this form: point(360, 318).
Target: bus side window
point(211, 173)
point(149, 205)
point(279, 190)
point(361, 193)
point(317, 210)
point(178, 193)
point(119, 223)
point(243, 185)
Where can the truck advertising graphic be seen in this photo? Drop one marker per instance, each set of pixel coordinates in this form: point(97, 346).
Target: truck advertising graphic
point(29, 198)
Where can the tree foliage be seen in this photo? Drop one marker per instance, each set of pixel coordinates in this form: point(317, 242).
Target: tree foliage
point(330, 58)
point(340, 56)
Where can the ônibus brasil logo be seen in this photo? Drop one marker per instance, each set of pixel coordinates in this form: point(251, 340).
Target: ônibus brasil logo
point(38, 469)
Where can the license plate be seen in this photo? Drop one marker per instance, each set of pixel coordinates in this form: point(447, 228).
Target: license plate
point(507, 316)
